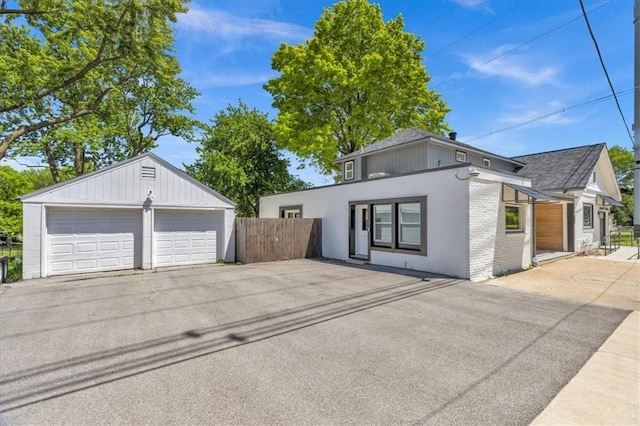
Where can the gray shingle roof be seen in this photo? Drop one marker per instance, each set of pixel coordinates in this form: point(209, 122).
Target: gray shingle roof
point(561, 169)
point(413, 135)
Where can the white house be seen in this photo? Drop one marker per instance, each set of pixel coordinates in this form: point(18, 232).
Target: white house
point(422, 201)
point(140, 213)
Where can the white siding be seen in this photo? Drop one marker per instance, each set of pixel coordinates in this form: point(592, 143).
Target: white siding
point(125, 185)
point(32, 239)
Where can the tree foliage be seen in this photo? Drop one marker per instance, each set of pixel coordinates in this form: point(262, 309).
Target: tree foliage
point(239, 158)
point(359, 79)
point(64, 60)
point(13, 184)
point(622, 162)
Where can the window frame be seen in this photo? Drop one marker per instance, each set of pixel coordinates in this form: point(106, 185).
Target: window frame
point(486, 162)
point(284, 210)
point(591, 208)
point(381, 243)
point(349, 172)
point(461, 156)
point(520, 224)
point(400, 243)
point(396, 246)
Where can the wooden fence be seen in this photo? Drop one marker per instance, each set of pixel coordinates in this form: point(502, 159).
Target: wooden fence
point(265, 240)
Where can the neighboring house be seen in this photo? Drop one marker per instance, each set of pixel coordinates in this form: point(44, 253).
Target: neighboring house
point(140, 213)
point(584, 183)
point(421, 201)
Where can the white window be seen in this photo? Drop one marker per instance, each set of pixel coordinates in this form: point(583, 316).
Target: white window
point(409, 224)
point(587, 216)
point(486, 162)
point(291, 212)
point(348, 170)
point(513, 218)
point(461, 156)
point(382, 224)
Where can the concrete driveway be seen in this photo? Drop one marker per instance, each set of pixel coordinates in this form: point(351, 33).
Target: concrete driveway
point(298, 342)
point(594, 280)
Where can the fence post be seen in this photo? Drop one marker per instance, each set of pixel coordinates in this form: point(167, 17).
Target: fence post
point(4, 269)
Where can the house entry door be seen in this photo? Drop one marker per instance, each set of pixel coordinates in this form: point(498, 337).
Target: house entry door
point(603, 229)
point(362, 230)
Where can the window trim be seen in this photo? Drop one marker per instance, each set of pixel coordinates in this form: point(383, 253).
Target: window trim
point(486, 162)
point(520, 224)
point(591, 207)
point(394, 246)
point(349, 172)
point(461, 156)
point(284, 209)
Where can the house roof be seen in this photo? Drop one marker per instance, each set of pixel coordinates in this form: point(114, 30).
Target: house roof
point(411, 135)
point(561, 169)
point(108, 169)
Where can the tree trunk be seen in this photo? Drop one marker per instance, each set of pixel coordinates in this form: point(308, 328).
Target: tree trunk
point(51, 160)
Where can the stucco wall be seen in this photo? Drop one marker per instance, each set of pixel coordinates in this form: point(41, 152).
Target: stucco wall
point(446, 230)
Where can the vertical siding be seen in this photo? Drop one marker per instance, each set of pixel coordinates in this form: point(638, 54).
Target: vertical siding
point(401, 160)
point(440, 156)
point(125, 185)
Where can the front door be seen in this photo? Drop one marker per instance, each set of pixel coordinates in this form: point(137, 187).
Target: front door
point(362, 230)
point(603, 229)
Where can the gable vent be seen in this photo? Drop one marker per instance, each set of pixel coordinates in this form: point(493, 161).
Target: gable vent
point(148, 172)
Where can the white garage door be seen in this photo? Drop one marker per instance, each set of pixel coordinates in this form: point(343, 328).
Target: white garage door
point(91, 240)
point(185, 237)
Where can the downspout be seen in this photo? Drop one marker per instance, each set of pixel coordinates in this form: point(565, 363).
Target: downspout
point(533, 231)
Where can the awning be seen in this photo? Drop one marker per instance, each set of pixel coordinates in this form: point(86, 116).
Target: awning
point(528, 191)
point(611, 201)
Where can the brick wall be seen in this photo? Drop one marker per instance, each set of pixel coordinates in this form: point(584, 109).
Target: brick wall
point(492, 250)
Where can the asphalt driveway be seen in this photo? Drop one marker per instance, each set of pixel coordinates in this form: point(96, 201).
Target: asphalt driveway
point(298, 342)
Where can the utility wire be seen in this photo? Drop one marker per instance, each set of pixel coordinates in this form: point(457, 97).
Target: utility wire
point(542, 117)
point(606, 73)
point(477, 29)
point(529, 41)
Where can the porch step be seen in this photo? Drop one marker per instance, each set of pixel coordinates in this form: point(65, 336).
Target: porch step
point(553, 257)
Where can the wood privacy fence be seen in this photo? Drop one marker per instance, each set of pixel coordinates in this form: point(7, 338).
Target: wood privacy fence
point(265, 240)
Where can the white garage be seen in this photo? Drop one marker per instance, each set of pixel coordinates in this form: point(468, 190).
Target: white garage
point(141, 213)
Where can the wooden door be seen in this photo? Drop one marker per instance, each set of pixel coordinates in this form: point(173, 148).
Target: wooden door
point(549, 227)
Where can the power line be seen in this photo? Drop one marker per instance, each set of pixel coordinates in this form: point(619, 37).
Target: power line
point(477, 29)
point(606, 73)
point(542, 117)
point(529, 41)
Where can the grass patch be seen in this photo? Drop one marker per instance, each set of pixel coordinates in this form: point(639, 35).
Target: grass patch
point(13, 252)
point(14, 272)
point(626, 238)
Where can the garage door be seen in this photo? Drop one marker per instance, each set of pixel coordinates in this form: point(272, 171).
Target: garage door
point(185, 238)
point(92, 240)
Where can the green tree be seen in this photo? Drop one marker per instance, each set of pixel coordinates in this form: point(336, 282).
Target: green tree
point(13, 184)
point(622, 162)
point(127, 124)
point(356, 81)
point(61, 60)
point(239, 158)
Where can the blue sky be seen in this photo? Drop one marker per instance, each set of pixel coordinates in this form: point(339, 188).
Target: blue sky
point(496, 63)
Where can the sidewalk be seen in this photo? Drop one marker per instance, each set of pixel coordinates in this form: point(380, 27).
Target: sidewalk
point(629, 254)
point(607, 388)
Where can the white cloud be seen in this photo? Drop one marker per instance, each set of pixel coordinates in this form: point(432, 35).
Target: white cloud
point(482, 5)
point(226, 26)
point(513, 67)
